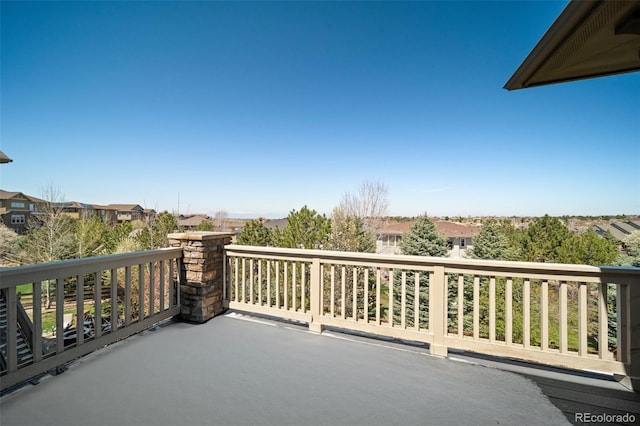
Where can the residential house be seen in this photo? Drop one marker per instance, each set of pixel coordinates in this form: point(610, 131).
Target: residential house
point(149, 215)
point(191, 222)
point(618, 228)
point(275, 223)
point(107, 214)
point(127, 212)
point(459, 236)
point(75, 209)
point(16, 208)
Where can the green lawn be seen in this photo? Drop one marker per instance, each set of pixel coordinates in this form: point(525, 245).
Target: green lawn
point(24, 289)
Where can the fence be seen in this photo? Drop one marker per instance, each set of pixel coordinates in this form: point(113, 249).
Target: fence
point(573, 316)
point(142, 287)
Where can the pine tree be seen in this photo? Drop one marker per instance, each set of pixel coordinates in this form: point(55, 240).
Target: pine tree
point(206, 225)
point(631, 245)
point(543, 238)
point(91, 234)
point(588, 249)
point(422, 239)
point(154, 234)
point(492, 244)
point(306, 229)
point(254, 233)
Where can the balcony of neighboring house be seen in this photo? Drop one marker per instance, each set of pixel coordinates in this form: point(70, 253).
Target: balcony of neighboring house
point(230, 334)
point(75, 209)
point(126, 212)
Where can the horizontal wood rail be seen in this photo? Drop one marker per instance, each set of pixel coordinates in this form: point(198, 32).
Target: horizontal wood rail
point(573, 316)
point(143, 286)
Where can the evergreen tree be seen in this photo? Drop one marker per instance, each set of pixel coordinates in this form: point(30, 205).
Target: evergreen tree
point(117, 235)
point(587, 249)
point(491, 243)
point(91, 235)
point(305, 229)
point(514, 236)
point(206, 225)
point(422, 239)
point(631, 246)
point(254, 233)
point(543, 239)
point(154, 234)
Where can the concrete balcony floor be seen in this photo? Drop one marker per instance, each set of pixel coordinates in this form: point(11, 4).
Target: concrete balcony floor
point(243, 370)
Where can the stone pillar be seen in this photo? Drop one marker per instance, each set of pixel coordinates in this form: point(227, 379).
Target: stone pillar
point(201, 276)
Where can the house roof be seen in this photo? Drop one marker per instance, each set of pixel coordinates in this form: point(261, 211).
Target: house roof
point(446, 228)
point(5, 195)
point(588, 39)
point(620, 230)
point(452, 229)
point(124, 207)
point(194, 220)
point(73, 205)
point(276, 223)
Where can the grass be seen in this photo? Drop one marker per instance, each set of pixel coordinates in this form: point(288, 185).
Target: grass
point(49, 320)
point(24, 289)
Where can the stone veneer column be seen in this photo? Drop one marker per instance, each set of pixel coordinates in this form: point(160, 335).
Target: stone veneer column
point(201, 277)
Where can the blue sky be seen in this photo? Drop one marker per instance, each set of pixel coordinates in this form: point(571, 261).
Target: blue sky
point(258, 108)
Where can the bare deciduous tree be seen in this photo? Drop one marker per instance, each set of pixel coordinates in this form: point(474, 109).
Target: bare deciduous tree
point(220, 220)
point(50, 234)
point(8, 241)
point(368, 204)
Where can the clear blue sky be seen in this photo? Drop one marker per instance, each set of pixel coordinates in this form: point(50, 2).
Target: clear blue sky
point(258, 108)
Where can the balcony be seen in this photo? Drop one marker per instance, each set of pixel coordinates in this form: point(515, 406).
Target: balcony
point(228, 334)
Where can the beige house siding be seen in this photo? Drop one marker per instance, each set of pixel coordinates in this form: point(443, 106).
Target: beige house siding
point(459, 237)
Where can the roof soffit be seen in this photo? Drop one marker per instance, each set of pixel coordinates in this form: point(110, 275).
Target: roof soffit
point(588, 39)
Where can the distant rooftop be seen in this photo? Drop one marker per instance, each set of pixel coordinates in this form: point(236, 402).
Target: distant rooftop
point(446, 228)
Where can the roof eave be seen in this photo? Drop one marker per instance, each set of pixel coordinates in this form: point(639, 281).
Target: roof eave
point(569, 19)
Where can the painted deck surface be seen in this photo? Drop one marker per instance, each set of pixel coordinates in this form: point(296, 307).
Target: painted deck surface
point(240, 370)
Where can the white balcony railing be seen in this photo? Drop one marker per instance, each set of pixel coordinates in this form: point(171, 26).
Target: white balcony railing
point(143, 286)
point(573, 316)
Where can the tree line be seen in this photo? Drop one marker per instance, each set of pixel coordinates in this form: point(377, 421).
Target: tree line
point(54, 235)
point(546, 239)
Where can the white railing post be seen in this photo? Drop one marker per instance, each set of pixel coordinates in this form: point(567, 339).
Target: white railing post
point(634, 334)
point(628, 296)
point(438, 311)
point(483, 333)
point(28, 352)
point(316, 282)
